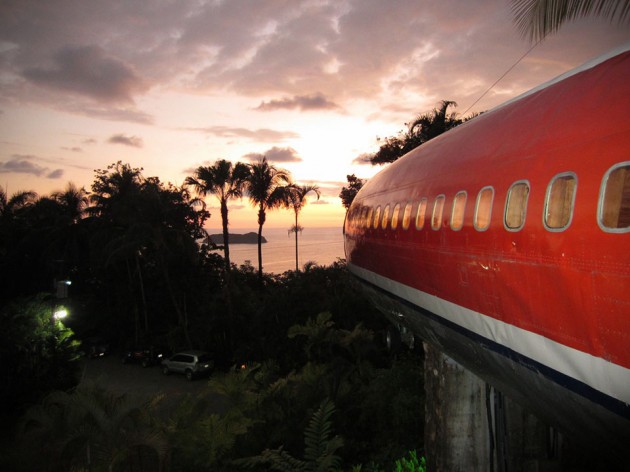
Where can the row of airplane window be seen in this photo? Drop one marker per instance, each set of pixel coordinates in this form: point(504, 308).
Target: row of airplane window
point(613, 206)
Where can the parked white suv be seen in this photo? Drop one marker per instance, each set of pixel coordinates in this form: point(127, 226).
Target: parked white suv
point(190, 363)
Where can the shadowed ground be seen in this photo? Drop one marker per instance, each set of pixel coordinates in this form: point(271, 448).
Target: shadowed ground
point(132, 379)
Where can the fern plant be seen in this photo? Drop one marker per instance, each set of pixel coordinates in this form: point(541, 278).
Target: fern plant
point(320, 448)
point(412, 464)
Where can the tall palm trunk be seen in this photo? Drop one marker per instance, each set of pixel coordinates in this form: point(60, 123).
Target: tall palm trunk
point(261, 222)
point(296, 242)
point(227, 287)
point(226, 235)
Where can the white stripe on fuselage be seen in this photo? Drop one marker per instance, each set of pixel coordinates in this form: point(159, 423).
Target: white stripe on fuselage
point(604, 376)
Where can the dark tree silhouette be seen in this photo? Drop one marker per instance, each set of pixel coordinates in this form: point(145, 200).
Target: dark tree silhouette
point(145, 226)
point(73, 200)
point(419, 131)
point(348, 193)
point(9, 206)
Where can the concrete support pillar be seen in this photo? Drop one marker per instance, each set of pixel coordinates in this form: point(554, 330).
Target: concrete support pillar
point(456, 435)
point(472, 427)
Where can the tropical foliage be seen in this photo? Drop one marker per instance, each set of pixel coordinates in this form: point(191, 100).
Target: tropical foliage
point(140, 273)
point(538, 18)
point(92, 429)
point(310, 344)
point(348, 193)
point(38, 353)
point(320, 448)
point(423, 128)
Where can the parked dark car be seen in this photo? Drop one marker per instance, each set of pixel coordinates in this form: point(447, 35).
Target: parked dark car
point(95, 347)
point(190, 363)
point(146, 356)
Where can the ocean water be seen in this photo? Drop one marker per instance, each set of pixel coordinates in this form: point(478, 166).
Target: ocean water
point(320, 245)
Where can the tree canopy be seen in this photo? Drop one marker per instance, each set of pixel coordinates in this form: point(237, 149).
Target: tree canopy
point(348, 193)
point(423, 128)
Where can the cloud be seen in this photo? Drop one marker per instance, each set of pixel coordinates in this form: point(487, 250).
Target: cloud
point(110, 113)
point(315, 101)
point(287, 154)
point(89, 71)
point(386, 53)
point(23, 164)
point(275, 154)
point(72, 149)
point(55, 174)
point(362, 159)
point(259, 135)
point(132, 141)
point(327, 189)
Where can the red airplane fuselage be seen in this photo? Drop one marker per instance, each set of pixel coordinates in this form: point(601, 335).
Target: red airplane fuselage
point(505, 242)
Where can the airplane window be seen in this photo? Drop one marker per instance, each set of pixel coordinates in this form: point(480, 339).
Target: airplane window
point(483, 208)
point(516, 206)
point(420, 215)
point(377, 217)
point(352, 216)
point(368, 221)
point(395, 214)
point(438, 210)
point(614, 201)
point(559, 201)
point(385, 217)
point(459, 205)
point(406, 216)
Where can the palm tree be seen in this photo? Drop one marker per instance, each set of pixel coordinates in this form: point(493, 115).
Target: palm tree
point(297, 200)
point(430, 125)
point(538, 18)
point(224, 181)
point(425, 127)
point(74, 201)
point(10, 205)
point(267, 188)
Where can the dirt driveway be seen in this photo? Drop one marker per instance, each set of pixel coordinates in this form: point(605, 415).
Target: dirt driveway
point(132, 379)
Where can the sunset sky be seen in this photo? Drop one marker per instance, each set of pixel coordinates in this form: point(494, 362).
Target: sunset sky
point(172, 85)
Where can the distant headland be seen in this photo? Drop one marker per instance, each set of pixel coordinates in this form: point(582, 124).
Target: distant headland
point(247, 238)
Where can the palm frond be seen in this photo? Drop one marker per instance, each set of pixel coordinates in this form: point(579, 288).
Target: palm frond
point(538, 18)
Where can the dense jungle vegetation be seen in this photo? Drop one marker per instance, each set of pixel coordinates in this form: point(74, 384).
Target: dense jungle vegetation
point(306, 380)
